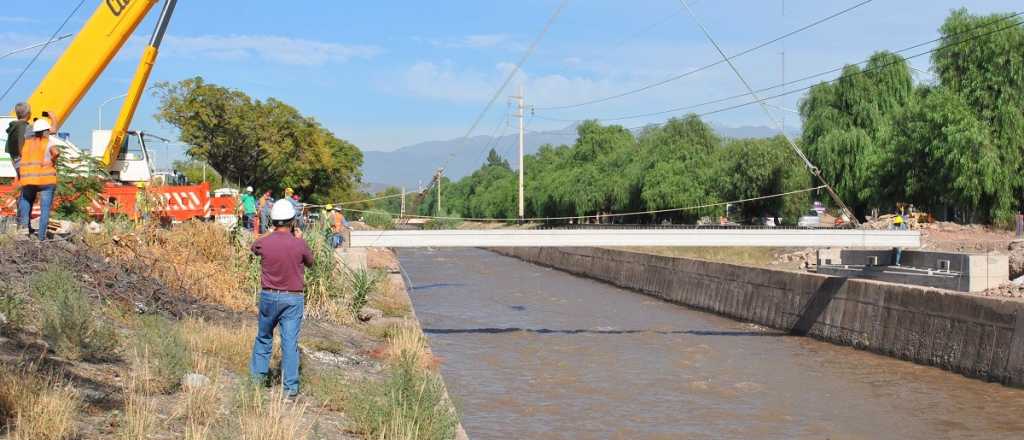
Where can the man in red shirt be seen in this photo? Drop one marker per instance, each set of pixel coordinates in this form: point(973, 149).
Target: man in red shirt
point(284, 257)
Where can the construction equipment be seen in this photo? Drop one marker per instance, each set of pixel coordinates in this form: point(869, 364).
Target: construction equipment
point(121, 151)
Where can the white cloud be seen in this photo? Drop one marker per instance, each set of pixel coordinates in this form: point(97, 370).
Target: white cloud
point(17, 20)
point(478, 41)
point(274, 49)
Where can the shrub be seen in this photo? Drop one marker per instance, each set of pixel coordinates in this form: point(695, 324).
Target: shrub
point(324, 280)
point(409, 404)
point(265, 418)
point(362, 282)
point(167, 358)
point(379, 219)
point(70, 325)
point(36, 406)
point(444, 220)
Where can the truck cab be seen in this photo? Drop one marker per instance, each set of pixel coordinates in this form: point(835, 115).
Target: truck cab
point(69, 151)
point(133, 162)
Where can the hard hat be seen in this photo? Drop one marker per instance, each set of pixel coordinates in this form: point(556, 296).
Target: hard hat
point(41, 124)
point(329, 207)
point(248, 189)
point(282, 211)
point(140, 185)
point(337, 208)
point(288, 191)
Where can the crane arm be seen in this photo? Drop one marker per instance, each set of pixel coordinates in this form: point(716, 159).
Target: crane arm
point(87, 57)
point(138, 86)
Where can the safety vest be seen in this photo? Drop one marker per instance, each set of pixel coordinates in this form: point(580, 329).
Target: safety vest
point(36, 168)
point(336, 222)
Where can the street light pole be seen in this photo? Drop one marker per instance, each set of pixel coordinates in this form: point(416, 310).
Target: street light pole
point(99, 125)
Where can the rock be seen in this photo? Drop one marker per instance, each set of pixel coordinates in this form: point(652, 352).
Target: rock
point(369, 314)
point(1016, 251)
point(193, 381)
point(94, 228)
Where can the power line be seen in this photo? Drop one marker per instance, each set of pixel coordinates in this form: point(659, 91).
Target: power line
point(802, 79)
point(708, 66)
point(41, 49)
point(508, 79)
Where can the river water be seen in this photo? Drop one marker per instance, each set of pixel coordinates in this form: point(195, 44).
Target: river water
point(534, 353)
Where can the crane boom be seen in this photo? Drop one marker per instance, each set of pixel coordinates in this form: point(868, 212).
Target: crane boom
point(138, 86)
point(87, 57)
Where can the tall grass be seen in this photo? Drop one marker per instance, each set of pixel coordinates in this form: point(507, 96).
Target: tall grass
point(409, 404)
point(217, 347)
point(167, 356)
point(362, 282)
point(325, 285)
point(274, 418)
point(69, 322)
point(139, 419)
point(35, 405)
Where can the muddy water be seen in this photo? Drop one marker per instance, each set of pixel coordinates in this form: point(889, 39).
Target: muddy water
point(534, 353)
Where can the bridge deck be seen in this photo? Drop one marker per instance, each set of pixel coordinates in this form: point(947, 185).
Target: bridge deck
point(768, 237)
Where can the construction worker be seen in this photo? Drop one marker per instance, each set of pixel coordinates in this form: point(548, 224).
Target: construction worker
point(257, 220)
point(284, 256)
point(248, 208)
point(897, 221)
point(142, 207)
point(265, 212)
point(17, 131)
point(338, 225)
point(38, 170)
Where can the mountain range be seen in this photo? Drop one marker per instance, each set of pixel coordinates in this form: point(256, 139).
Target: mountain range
point(413, 166)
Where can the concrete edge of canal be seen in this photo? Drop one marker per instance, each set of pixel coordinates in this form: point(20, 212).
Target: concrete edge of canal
point(976, 336)
point(398, 279)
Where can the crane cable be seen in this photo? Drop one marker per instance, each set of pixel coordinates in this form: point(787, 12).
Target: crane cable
point(40, 51)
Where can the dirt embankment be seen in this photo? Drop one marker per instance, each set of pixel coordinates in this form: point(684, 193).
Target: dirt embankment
point(157, 351)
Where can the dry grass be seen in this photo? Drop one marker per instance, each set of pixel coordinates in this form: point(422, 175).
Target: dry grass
point(35, 405)
point(139, 409)
point(391, 299)
point(216, 347)
point(203, 258)
point(402, 341)
point(747, 256)
point(274, 418)
point(200, 407)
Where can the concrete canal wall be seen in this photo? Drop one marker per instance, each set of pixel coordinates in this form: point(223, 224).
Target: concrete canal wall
point(976, 336)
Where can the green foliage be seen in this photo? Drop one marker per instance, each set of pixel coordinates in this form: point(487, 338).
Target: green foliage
point(80, 182)
point(324, 280)
point(379, 219)
point(409, 403)
point(444, 220)
point(265, 144)
point(194, 173)
point(69, 322)
point(361, 283)
point(162, 344)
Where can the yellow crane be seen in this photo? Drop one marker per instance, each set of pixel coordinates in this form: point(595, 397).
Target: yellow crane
point(85, 59)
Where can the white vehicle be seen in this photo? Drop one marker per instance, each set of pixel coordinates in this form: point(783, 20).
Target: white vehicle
point(811, 220)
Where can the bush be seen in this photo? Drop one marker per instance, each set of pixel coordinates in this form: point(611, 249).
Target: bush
point(409, 403)
point(379, 219)
point(444, 220)
point(162, 346)
point(70, 325)
point(324, 280)
point(362, 282)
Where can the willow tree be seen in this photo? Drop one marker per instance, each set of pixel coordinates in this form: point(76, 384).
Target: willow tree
point(847, 124)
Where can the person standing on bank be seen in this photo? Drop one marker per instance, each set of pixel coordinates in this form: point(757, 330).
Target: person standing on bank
point(17, 131)
point(284, 257)
point(38, 176)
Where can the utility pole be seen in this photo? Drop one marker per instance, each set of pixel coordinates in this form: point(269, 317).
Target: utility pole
point(440, 177)
point(521, 110)
point(782, 98)
point(401, 211)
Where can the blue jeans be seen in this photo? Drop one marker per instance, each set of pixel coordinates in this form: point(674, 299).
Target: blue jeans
point(28, 198)
point(286, 310)
point(336, 240)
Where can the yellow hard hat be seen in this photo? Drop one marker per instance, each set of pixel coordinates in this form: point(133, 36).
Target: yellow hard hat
point(140, 185)
point(329, 207)
point(288, 191)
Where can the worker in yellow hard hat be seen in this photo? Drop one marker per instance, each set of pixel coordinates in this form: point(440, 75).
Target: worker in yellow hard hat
point(328, 207)
point(142, 207)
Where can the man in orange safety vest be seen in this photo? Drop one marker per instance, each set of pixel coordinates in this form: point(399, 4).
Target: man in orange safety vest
point(38, 176)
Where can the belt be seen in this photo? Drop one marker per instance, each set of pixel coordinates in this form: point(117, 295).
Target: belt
point(290, 292)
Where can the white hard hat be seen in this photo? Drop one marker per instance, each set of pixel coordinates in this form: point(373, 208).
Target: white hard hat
point(283, 210)
point(248, 189)
point(41, 124)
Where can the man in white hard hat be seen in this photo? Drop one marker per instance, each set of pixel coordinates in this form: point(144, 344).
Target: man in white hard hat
point(38, 176)
point(284, 257)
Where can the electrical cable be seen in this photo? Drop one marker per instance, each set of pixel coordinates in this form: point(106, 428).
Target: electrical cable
point(792, 82)
point(804, 89)
point(41, 49)
point(708, 66)
point(516, 68)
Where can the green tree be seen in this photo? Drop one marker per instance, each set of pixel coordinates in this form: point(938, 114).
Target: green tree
point(265, 144)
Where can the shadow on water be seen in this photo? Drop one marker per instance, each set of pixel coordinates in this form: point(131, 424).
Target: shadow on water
point(817, 304)
point(547, 331)
point(436, 286)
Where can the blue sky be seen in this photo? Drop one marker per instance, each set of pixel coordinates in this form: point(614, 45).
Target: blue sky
point(391, 73)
